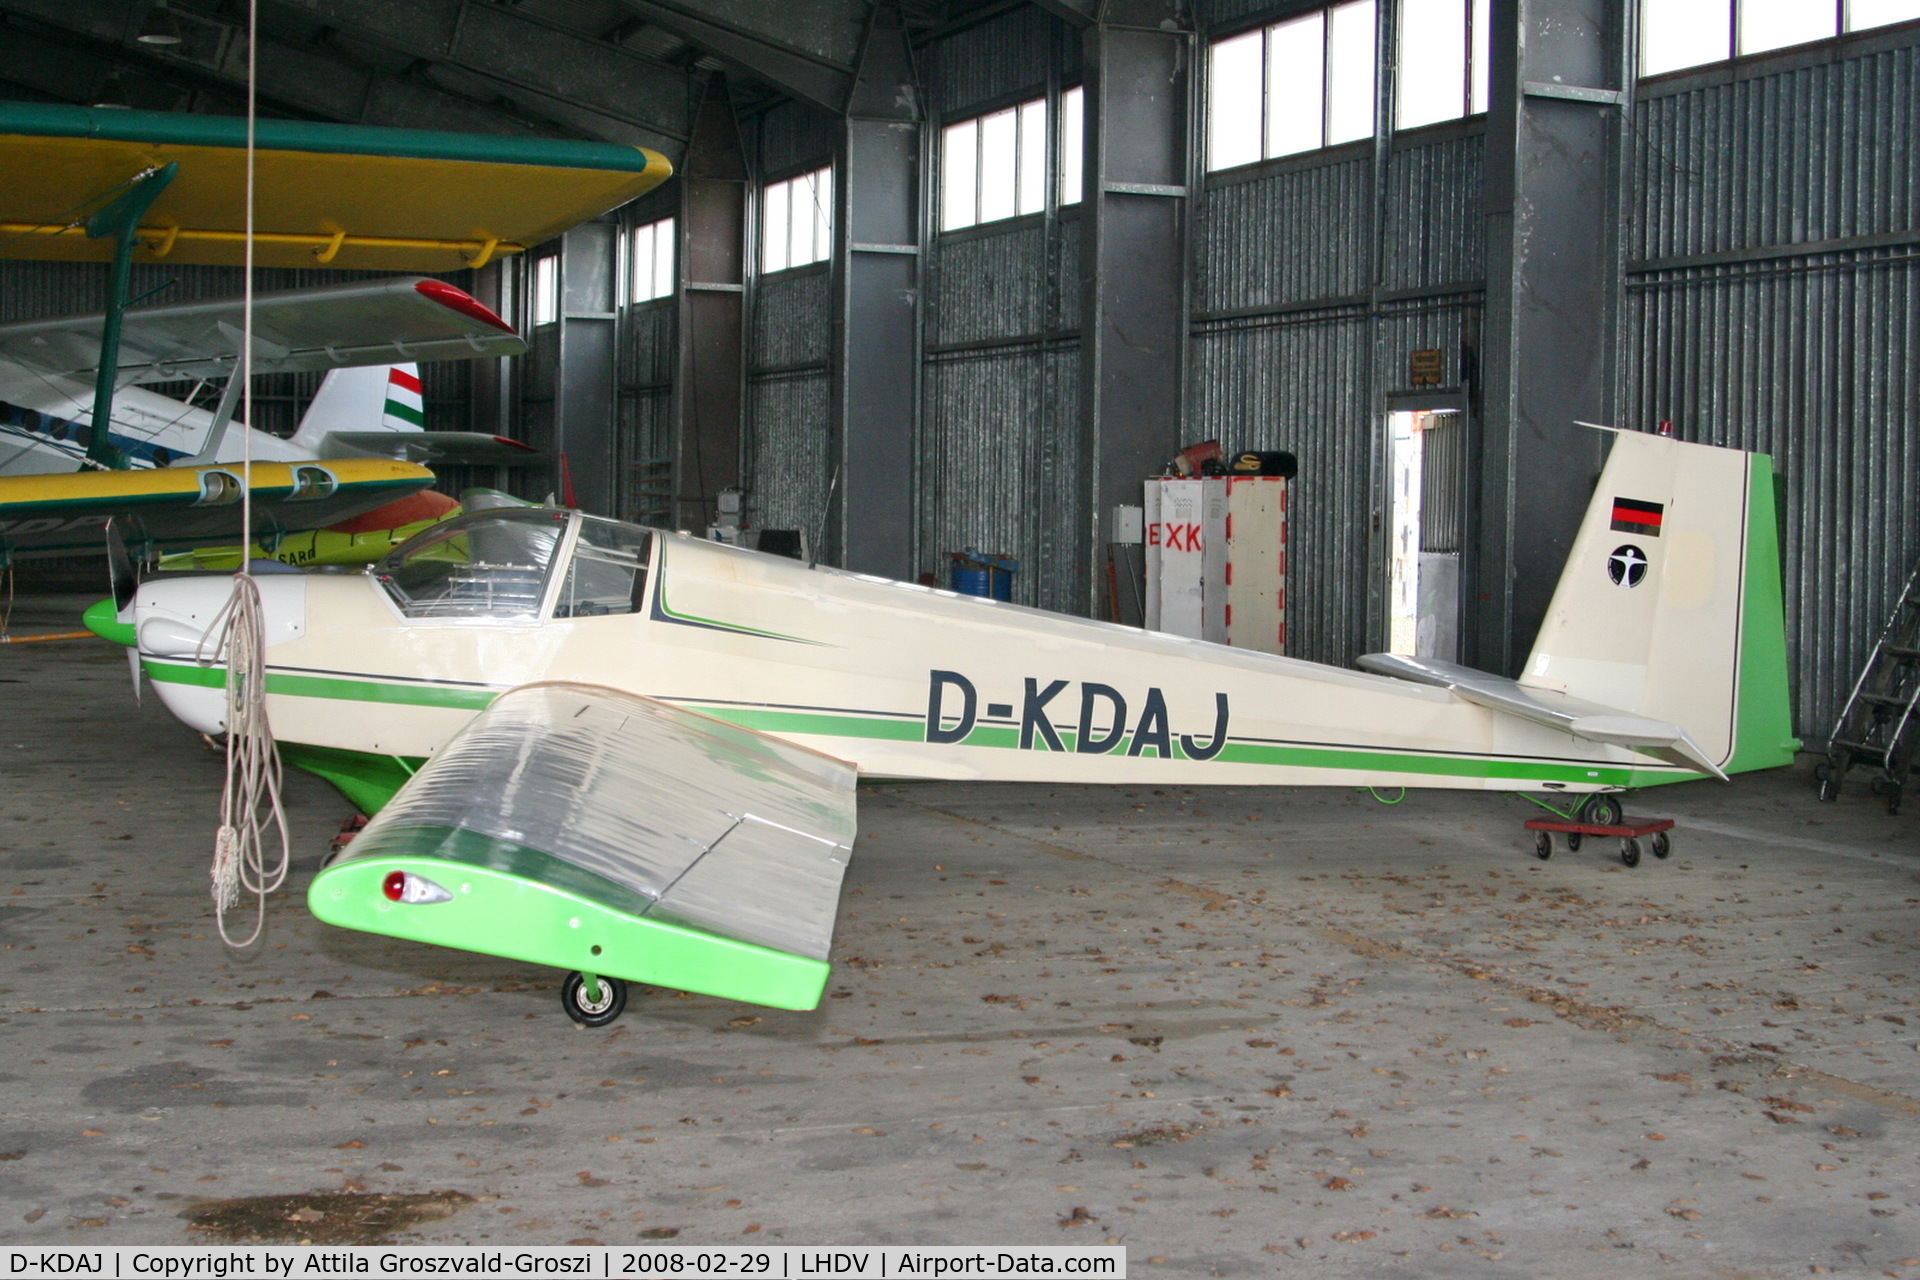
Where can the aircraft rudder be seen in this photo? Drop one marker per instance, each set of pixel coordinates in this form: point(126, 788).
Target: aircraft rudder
point(1670, 604)
point(1763, 737)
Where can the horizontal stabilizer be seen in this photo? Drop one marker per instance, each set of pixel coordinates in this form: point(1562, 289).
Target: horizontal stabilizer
point(1576, 716)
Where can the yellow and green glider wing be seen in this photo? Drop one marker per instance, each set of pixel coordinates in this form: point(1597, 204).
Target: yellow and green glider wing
point(174, 508)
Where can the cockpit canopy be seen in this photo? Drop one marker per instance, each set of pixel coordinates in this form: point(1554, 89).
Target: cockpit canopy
point(499, 564)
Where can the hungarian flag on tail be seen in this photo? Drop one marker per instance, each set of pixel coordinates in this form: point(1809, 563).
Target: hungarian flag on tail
point(404, 404)
point(1633, 516)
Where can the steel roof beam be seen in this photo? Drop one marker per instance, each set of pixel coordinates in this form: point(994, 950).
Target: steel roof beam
point(522, 53)
point(1082, 13)
point(798, 71)
point(304, 81)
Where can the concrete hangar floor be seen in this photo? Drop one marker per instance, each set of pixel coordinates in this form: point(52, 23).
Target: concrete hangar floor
point(1241, 1032)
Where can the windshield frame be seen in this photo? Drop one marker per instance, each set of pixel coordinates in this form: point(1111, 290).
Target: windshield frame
point(563, 568)
point(542, 610)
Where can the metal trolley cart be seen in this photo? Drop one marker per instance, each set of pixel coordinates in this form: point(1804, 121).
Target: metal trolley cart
point(1600, 816)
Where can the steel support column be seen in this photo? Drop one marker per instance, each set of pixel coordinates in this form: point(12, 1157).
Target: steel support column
point(1133, 260)
point(877, 306)
point(1561, 84)
point(585, 435)
point(709, 388)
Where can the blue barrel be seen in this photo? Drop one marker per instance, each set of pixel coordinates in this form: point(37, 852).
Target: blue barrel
point(977, 574)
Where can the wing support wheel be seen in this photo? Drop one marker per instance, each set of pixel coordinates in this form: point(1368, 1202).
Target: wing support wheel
point(592, 1001)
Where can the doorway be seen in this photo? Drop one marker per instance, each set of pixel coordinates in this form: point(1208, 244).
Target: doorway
point(1428, 503)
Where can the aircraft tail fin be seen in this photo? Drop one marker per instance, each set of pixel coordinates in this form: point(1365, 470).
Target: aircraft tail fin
point(380, 397)
point(1670, 605)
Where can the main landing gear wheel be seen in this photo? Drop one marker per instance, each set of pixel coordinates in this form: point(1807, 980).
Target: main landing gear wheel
point(1630, 852)
point(1602, 811)
point(595, 1008)
point(1661, 845)
point(1542, 845)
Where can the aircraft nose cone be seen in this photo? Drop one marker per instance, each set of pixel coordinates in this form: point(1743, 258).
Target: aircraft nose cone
point(172, 638)
point(171, 619)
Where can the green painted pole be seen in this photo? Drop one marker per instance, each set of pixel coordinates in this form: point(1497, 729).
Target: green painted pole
point(121, 220)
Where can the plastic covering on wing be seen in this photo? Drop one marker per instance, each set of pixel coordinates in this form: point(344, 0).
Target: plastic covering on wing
point(722, 828)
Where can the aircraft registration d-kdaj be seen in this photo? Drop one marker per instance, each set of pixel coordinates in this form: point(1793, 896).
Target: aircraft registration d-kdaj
point(632, 755)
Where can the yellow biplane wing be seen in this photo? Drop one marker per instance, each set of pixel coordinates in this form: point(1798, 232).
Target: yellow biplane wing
point(326, 195)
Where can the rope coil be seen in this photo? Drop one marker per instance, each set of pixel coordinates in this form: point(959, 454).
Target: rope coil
point(250, 809)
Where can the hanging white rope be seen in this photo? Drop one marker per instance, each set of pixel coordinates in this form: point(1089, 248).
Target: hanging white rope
point(250, 810)
point(253, 766)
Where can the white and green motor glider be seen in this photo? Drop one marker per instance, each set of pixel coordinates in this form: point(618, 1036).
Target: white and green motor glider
point(632, 755)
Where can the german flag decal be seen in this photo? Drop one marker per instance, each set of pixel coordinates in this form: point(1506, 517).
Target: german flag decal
point(1632, 516)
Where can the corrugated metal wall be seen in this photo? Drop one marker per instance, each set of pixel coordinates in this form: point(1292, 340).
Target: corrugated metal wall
point(1298, 338)
point(1291, 234)
point(1774, 304)
point(793, 137)
point(1299, 382)
point(1000, 432)
point(647, 357)
point(1434, 235)
point(985, 63)
point(788, 465)
point(789, 400)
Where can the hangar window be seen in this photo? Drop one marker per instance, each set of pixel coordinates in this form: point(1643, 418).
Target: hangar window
point(796, 221)
point(1073, 125)
point(994, 166)
point(1442, 72)
point(1294, 86)
point(653, 260)
point(1675, 34)
point(546, 289)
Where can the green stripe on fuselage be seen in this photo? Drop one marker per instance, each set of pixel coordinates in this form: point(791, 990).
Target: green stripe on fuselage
point(826, 723)
point(838, 725)
point(287, 684)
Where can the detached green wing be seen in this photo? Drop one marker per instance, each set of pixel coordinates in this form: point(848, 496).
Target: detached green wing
point(589, 829)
